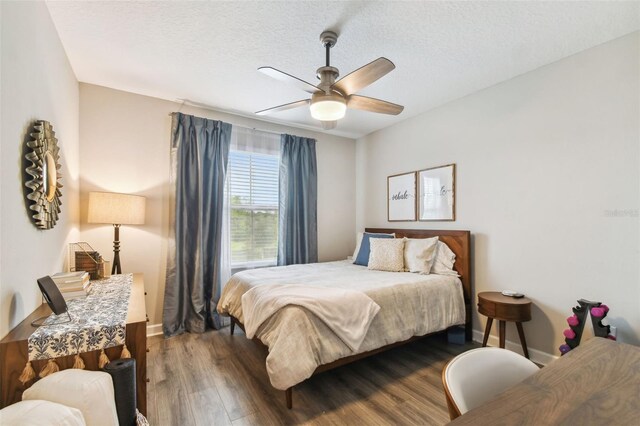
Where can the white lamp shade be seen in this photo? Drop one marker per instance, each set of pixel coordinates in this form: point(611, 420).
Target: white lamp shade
point(117, 209)
point(327, 107)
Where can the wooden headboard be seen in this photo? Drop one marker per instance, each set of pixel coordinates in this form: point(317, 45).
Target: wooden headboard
point(460, 243)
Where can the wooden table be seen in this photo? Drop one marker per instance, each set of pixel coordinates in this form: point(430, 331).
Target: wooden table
point(597, 383)
point(13, 350)
point(494, 305)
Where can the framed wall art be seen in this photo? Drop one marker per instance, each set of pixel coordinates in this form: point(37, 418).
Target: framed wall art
point(401, 197)
point(437, 193)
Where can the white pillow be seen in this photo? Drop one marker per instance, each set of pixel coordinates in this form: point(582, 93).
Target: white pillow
point(443, 263)
point(91, 392)
point(419, 254)
point(40, 413)
point(359, 241)
point(387, 254)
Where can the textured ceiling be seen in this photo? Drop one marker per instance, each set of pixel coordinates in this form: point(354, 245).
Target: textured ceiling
point(208, 52)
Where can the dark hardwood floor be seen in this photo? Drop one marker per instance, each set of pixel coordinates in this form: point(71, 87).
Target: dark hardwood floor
point(218, 379)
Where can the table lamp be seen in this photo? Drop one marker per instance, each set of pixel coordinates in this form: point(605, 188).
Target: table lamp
point(116, 209)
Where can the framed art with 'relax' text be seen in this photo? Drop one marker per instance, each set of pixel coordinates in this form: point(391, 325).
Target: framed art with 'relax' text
point(437, 193)
point(401, 197)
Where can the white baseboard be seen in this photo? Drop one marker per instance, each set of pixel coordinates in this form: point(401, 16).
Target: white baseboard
point(535, 355)
point(154, 329)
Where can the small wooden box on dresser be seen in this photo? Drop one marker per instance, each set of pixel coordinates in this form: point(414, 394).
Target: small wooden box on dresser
point(13, 350)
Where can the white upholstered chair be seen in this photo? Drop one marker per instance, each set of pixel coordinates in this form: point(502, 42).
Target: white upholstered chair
point(476, 376)
point(40, 413)
point(70, 397)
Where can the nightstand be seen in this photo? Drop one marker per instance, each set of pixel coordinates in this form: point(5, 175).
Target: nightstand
point(494, 305)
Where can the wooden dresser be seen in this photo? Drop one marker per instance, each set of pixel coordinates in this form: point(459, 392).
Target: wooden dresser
point(13, 350)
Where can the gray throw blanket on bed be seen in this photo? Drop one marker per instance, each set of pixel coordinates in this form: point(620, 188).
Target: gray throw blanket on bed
point(348, 313)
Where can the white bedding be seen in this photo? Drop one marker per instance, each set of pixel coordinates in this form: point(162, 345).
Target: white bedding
point(298, 342)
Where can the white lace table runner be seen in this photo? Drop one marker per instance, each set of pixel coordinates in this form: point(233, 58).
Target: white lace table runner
point(98, 321)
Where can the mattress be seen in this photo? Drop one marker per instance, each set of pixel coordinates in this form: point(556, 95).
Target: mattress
point(298, 342)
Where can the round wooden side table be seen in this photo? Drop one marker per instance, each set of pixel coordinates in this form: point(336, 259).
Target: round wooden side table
point(494, 305)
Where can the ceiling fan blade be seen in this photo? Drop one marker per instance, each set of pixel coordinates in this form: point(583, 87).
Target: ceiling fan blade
point(364, 76)
point(288, 78)
point(284, 107)
point(374, 105)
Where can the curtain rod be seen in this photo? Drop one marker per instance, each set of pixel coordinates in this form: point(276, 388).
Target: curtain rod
point(206, 107)
point(244, 127)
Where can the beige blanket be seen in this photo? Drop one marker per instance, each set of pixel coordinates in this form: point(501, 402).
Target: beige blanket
point(348, 313)
point(298, 341)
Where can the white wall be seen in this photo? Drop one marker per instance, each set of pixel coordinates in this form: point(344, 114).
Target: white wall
point(37, 83)
point(542, 161)
point(125, 148)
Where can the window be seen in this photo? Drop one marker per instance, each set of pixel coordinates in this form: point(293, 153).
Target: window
point(253, 205)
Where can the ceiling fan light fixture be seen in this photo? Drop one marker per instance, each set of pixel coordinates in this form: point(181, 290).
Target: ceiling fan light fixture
point(330, 98)
point(330, 107)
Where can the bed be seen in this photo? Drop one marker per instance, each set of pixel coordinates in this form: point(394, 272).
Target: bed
point(411, 306)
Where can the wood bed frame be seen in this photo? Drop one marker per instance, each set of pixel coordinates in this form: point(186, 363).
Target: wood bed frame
point(460, 244)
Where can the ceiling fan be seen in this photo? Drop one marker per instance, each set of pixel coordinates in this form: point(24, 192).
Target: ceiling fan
point(330, 98)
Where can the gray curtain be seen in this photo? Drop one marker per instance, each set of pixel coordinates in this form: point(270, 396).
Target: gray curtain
point(298, 212)
point(199, 156)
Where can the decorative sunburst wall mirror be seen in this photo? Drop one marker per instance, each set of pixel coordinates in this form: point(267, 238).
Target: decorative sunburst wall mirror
point(44, 170)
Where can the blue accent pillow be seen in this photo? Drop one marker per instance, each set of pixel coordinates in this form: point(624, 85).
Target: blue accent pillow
point(365, 248)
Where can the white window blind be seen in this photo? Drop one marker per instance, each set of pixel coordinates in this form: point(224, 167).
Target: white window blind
point(253, 202)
